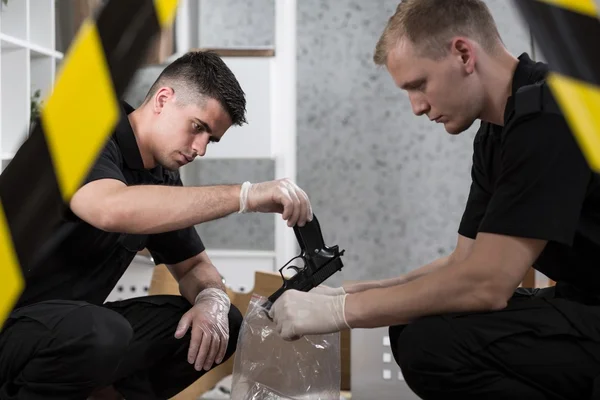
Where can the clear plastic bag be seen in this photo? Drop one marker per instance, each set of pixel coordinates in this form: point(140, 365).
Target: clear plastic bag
point(267, 367)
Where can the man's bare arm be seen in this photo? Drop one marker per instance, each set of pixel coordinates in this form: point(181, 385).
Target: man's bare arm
point(196, 274)
point(484, 281)
point(110, 205)
point(460, 253)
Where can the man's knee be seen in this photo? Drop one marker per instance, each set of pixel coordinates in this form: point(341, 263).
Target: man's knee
point(427, 351)
point(97, 338)
point(235, 322)
point(394, 335)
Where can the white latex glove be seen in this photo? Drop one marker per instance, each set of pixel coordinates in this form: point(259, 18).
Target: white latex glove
point(209, 320)
point(281, 196)
point(329, 291)
point(298, 313)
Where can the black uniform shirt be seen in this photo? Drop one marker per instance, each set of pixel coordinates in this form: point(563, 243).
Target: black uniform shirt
point(533, 181)
point(89, 262)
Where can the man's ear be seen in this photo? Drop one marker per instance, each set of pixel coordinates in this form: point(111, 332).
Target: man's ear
point(161, 97)
point(464, 52)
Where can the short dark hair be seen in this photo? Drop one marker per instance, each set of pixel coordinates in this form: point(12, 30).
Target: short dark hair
point(431, 24)
point(200, 74)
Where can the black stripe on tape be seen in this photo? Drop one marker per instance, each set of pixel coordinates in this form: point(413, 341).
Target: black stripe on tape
point(28, 186)
point(31, 197)
point(568, 40)
point(126, 30)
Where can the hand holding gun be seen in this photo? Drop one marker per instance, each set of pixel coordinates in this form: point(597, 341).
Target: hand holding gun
point(320, 261)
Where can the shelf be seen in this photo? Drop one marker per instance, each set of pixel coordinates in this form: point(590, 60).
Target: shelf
point(37, 51)
point(28, 63)
point(13, 17)
point(14, 64)
point(41, 23)
point(240, 52)
point(9, 42)
point(4, 162)
point(57, 66)
point(42, 72)
point(5, 159)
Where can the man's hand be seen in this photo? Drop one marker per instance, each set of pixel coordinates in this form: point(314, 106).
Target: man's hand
point(298, 313)
point(349, 289)
point(209, 320)
point(281, 196)
point(328, 290)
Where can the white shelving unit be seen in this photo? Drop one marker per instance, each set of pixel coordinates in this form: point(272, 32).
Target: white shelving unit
point(270, 86)
point(28, 62)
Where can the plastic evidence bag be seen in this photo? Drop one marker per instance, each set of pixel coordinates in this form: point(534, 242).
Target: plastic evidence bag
point(266, 367)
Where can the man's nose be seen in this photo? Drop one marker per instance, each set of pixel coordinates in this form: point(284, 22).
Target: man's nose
point(200, 143)
point(418, 104)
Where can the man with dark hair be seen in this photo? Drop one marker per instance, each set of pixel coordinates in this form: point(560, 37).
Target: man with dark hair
point(200, 75)
point(461, 327)
point(62, 341)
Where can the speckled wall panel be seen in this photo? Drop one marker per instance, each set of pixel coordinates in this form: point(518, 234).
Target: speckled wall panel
point(387, 186)
point(237, 23)
point(513, 29)
point(141, 83)
point(236, 231)
point(249, 231)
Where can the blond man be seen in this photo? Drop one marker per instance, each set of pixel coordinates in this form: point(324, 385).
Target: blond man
point(461, 327)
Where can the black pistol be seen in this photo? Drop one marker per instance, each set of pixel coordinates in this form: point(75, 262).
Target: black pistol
point(320, 261)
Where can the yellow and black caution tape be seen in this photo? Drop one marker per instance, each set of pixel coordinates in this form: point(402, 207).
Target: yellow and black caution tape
point(76, 121)
point(568, 33)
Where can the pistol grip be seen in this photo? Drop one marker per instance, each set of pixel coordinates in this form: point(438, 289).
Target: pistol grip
point(273, 298)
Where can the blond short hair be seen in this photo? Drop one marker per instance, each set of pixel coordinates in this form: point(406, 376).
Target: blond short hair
point(431, 24)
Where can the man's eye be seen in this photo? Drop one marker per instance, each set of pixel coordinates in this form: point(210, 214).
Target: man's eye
point(196, 127)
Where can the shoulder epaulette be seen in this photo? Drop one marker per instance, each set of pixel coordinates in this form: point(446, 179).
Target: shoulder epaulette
point(532, 99)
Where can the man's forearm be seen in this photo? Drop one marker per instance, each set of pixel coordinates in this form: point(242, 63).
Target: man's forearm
point(202, 276)
point(410, 276)
point(445, 290)
point(148, 209)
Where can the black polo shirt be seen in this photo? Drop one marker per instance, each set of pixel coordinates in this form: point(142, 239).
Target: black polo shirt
point(88, 261)
point(533, 181)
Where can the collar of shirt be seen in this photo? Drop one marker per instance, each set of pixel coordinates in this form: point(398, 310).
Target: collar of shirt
point(527, 72)
point(126, 139)
point(128, 143)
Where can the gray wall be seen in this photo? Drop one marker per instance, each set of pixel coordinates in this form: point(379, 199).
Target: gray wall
point(236, 231)
point(238, 23)
point(387, 186)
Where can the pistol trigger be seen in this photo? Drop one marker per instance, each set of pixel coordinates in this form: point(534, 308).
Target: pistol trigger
point(294, 268)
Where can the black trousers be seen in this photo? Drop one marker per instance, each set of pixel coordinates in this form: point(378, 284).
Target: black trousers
point(67, 349)
point(541, 346)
